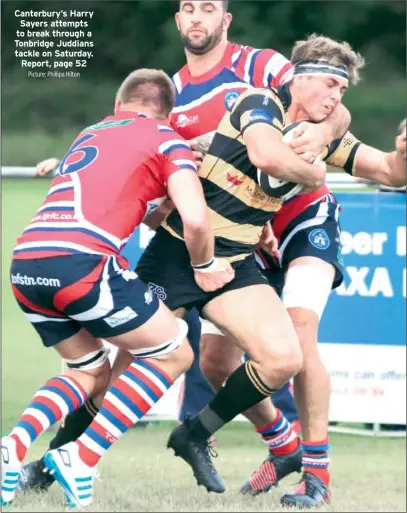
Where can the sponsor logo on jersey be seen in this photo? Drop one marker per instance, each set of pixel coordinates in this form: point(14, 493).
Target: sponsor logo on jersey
point(183, 120)
point(121, 317)
point(261, 115)
point(230, 99)
point(234, 180)
point(260, 198)
point(319, 239)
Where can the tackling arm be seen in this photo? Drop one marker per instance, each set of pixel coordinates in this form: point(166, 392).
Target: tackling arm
point(336, 124)
point(158, 215)
point(185, 190)
point(384, 168)
point(364, 161)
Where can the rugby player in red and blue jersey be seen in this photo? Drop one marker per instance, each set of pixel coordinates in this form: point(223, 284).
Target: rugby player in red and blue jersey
point(75, 288)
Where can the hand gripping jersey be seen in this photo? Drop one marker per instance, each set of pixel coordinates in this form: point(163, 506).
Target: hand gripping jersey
point(238, 205)
point(201, 101)
point(104, 187)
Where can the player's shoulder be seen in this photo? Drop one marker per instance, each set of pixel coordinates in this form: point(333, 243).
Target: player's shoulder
point(263, 55)
point(169, 140)
point(180, 78)
point(265, 93)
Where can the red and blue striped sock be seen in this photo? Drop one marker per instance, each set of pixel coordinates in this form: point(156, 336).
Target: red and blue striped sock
point(129, 398)
point(315, 459)
point(59, 396)
point(279, 436)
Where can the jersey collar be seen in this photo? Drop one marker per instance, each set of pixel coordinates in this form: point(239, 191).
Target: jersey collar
point(284, 95)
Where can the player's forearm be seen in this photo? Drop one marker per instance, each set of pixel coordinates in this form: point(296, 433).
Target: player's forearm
point(186, 192)
point(198, 237)
point(282, 163)
point(158, 215)
point(380, 167)
point(396, 169)
point(337, 123)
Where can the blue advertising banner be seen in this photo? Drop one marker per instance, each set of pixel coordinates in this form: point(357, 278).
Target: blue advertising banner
point(370, 305)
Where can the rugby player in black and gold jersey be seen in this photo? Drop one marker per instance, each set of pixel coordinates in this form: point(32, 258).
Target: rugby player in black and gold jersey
point(244, 141)
point(248, 309)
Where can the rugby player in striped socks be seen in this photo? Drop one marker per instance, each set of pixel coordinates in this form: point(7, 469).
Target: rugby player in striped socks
point(74, 287)
point(127, 400)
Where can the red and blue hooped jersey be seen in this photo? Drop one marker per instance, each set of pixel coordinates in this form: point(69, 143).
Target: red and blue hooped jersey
point(201, 101)
point(111, 175)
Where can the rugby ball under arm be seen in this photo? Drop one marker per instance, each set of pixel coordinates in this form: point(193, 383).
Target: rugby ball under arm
point(279, 188)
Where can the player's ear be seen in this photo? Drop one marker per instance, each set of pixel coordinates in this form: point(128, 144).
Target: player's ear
point(227, 20)
point(117, 106)
point(177, 20)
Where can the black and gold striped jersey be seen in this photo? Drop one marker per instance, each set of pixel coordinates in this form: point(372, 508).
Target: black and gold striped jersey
point(237, 204)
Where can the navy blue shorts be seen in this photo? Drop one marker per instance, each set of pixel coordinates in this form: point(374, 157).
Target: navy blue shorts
point(316, 233)
point(60, 295)
point(165, 267)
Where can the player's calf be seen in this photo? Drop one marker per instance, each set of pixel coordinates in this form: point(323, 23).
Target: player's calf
point(58, 397)
point(128, 399)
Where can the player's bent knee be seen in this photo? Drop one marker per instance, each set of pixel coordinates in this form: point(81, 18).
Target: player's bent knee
point(278, 366)
point(95, 381)
point(95, 365)
point(216, 374)
point(176, 351)
point(216, 370)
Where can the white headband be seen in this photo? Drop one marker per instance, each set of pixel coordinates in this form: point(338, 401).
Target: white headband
point(319, 68)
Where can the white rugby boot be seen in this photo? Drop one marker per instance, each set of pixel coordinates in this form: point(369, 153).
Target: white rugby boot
point(10, 470)
point(75, 477)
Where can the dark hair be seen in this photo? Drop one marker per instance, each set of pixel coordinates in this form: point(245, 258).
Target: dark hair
point(150, 87)
point(337, 53)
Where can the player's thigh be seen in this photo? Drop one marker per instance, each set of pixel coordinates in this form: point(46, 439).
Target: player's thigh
point(307, 287)
point(112, 303)
point(220, 356)
point(162, 328)
point(79, 345)
point(256, 319)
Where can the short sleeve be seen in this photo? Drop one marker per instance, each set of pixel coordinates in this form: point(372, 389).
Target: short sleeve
point(342, 152)
point(176, 153)
point(258, 106)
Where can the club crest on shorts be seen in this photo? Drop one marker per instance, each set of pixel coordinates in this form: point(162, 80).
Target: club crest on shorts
point(230, 99)
point(148, 296)
point(319, 239)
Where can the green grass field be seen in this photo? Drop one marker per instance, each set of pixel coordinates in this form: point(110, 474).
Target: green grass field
point(139, 474)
